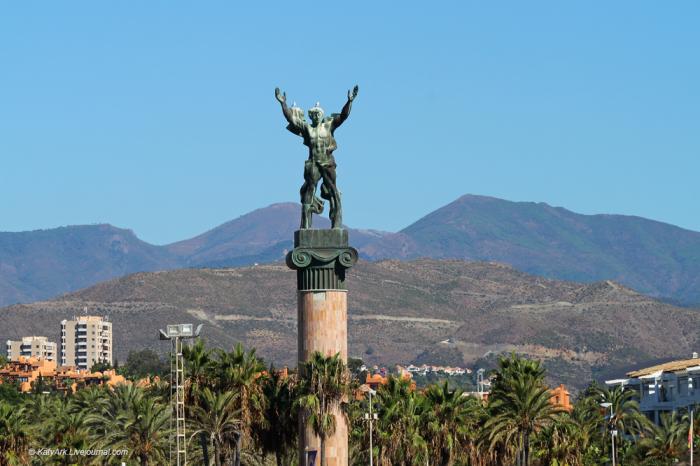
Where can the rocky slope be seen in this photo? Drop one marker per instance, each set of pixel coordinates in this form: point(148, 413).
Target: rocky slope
point(448, 311)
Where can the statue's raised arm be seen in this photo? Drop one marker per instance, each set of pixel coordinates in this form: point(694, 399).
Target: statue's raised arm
point(282, 99)
point(339, 118)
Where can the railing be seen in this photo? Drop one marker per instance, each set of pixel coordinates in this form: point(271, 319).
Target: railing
point(652, 402)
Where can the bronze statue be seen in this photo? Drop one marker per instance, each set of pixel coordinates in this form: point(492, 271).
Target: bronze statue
point(318, 137)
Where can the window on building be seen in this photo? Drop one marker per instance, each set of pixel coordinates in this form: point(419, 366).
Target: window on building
point(695, 390)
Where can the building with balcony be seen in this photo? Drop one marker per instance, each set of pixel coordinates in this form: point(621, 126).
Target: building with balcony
point(664, 387)
point(33, 346)
point(26, 373)
point(86, 340)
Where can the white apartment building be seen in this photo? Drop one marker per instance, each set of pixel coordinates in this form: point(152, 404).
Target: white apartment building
point(33, 346)
point(664, 387)
point(86, 340)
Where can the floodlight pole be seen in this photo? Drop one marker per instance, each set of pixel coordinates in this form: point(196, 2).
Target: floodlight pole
point(176, 333)
point(179, 402)
point(613, 431)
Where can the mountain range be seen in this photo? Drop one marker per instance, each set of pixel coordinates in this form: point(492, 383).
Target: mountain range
point(655, 258)
point(420, 311)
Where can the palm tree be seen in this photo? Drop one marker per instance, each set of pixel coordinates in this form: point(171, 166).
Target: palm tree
point(216, 417)
point(589, 438)
point(278, 427)
point(143, 430)
point(626, 416)
point(66, 427)
point(670, 438)
point(36, 407)
point(324, 385)
point(399, 436)
point(560, 443)
point(450, 421)
point(239, 371)
point(520, 405)
point(198, 365)
point(14, 435)
point(123, 397)
point(91, 398)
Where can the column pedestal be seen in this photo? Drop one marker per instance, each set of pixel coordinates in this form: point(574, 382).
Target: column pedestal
point(321, 258)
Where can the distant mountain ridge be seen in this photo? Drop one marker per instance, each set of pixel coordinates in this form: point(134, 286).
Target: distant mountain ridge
point(652, 257)
point(262, 235)
point(43, 263)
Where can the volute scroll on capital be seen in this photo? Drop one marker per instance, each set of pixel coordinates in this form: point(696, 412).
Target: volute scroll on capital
point(303, 257)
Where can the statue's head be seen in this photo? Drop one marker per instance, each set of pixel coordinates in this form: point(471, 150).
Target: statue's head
point(316, 114)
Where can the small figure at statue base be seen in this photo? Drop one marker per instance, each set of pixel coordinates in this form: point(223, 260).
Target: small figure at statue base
point(320, 166)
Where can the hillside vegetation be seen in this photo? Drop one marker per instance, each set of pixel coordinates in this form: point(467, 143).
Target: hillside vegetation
point(399, 312)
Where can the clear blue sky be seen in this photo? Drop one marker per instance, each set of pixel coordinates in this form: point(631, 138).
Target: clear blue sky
point(159, 116)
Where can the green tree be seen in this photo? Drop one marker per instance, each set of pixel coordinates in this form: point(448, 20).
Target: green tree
point(239, 371)
point(198, 367)
point(560, 443)
point(451, 420)
point(354, 365)
point(590, 438)
point(15, 435)
point(101, 366)
point(142, 429)
point(399, 438)
point(66, 427)
point(670, 438)
point(10, 392)
point(519, 405)
point(324, 386)
point(623, 416)
point(278, 427)
point(626, 416)
point(145, 363)
point(216, 416)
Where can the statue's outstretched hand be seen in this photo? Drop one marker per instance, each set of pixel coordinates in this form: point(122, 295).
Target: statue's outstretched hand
point(280, 96)
point(353, 93)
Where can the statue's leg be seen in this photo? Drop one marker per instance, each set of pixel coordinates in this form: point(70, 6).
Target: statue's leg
point(305, 207)
point(308, 190)
point(328, 195)
point(336, 211)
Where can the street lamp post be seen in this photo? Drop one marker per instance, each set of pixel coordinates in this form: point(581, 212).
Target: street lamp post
point(691, 434)
point(177, 333)
point(371, 417)
point(480, 383)
point(613, 431)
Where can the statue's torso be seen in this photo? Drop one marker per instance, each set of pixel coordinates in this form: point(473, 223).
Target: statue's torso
point(320, 141)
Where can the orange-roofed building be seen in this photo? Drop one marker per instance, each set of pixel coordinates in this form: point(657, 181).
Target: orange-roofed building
point(561, 397)
point(147, 382)
point(375, 381)
point(24, 371)
point(27, 371)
